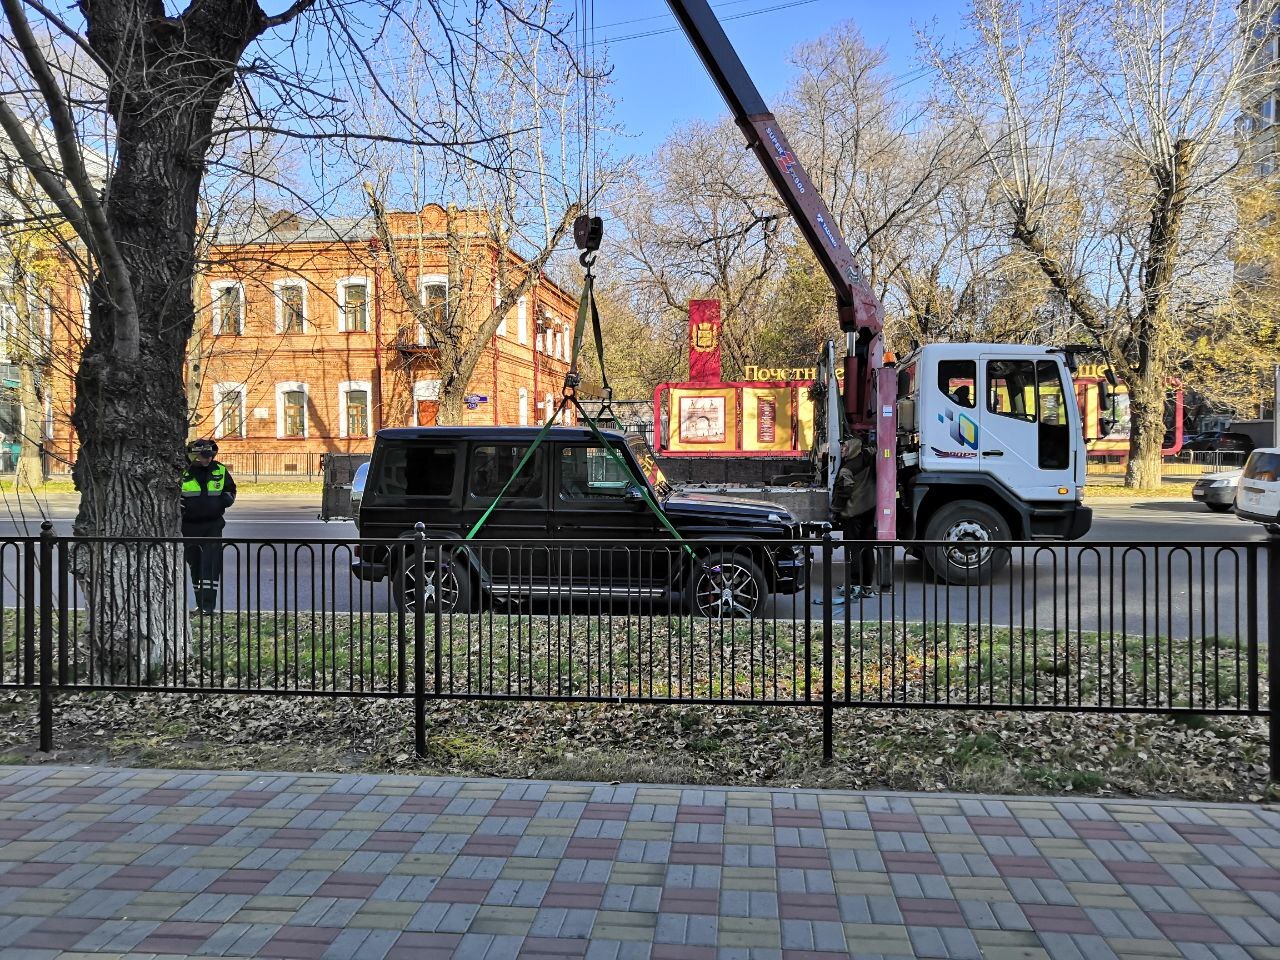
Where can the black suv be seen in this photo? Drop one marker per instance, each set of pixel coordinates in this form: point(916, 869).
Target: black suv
point(571, 490)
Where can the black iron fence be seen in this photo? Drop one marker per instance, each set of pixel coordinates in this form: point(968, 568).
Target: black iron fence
point(1152, 628)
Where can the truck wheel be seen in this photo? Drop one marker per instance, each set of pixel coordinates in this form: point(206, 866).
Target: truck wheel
point(965, 528)
point(726, 585)
point(455, 587)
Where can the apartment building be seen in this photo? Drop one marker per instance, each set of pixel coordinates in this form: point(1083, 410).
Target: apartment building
point(304, 342)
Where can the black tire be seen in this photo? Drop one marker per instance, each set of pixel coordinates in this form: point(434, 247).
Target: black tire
point(1218, 507)
point(455, 585)
point(1273, 529)
point(735, 571)
point(967, 522)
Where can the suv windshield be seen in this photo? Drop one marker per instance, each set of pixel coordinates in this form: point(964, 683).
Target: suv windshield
point(653, 474)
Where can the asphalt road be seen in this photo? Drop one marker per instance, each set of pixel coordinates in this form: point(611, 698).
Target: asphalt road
point(1195, 583)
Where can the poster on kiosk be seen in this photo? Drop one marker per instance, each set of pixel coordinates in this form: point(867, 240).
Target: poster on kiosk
point(768, 413)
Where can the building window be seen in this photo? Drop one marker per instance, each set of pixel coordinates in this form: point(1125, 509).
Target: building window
point(433, 290)
point(522, 320)
point(228, 307)
point(291, 306)
point(548, 409)
point(524, 407)
point(228, 410)
point(353, 408)
point(291, 410)
point(86, 307)
point(8, 309)
point(353, 305)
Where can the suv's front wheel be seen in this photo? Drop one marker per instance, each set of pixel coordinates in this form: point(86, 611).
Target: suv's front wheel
point(726, 585)
point(454, 584)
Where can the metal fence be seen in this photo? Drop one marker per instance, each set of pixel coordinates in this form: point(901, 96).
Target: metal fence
point(1150, 628)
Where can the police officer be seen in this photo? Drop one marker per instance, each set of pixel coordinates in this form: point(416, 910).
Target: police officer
point(207, 491)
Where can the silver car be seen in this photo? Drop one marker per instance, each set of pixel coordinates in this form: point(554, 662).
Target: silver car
point(1217, 491)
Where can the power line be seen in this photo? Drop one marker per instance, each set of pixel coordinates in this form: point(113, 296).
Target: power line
point(736, 16)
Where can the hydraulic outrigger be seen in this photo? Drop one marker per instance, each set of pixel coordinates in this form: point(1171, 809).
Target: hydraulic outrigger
point(870, 388)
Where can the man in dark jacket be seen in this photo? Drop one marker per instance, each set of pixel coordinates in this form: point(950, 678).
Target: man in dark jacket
point(207, 491)
point(853, 510)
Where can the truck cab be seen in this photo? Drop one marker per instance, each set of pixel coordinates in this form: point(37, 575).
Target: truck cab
point(990, 449)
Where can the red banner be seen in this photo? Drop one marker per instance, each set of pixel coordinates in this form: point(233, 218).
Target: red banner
point(704, 341)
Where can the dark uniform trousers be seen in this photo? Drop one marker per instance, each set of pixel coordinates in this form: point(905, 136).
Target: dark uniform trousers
point(204, 560)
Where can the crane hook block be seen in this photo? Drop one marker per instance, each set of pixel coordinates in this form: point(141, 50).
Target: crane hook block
point(587, 233)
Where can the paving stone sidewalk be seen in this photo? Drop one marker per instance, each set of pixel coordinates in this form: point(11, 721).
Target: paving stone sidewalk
point(99, 863)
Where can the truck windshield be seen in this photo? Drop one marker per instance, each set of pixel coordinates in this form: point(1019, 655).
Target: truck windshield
point(653, 474)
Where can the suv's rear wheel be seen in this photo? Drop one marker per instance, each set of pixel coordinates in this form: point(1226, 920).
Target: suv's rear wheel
point(454, 581)
point(966, 530)
point(728, 584)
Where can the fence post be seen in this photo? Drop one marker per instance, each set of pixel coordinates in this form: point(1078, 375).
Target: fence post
point(828, 735)
point(46, 636)
point(1251, 625)
point(419, 641)
point(1273, 656)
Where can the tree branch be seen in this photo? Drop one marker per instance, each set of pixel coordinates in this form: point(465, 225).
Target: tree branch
point(96, 231)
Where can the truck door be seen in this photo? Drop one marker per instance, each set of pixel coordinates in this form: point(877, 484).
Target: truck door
point(1025, 426)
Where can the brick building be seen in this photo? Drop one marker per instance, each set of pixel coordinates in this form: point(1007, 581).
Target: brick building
point(287, 356)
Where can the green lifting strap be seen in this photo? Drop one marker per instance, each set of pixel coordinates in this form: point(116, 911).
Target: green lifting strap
point(586, 308)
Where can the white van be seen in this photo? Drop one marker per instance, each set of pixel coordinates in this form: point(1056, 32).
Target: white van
point(1258, 496)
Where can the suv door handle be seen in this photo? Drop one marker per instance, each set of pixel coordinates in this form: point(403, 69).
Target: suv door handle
point(993, 453)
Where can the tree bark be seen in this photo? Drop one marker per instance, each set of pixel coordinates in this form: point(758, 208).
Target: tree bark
point(169, 75)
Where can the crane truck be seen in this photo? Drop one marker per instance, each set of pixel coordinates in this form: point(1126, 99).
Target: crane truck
point(976, 443)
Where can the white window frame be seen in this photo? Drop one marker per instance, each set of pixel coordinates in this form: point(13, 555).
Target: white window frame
point(345, 387)
point(522, 320)
point(216, 289)
point(548, 408)
point(85, 308)
point(276, 288)
point(220, 391)
point(557, 349)
point(424, 281)
point(524, 406)
point(289, 386)
point(342, 302)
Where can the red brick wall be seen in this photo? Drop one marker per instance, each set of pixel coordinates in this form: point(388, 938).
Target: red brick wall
point(323, 356)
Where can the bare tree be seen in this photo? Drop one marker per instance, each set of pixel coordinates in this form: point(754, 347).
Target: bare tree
point(161, 92)
point(1106, 132)
point(700, 220)
point(509, 203)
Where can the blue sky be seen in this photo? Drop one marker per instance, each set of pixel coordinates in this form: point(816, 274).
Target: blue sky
point(658, 82)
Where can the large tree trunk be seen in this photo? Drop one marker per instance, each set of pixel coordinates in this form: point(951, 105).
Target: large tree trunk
point(30, 472)
point(130, 412)
point(1146, 430)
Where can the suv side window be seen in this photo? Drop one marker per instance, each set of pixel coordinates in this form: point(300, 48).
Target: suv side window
point(417, 470)
point(493, 464)
point(588, 473)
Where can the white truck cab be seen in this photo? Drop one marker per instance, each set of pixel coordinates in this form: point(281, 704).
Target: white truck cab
point(990, 449)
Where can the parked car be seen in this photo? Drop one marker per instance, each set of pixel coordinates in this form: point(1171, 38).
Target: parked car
point(1217, 491)
point(1258, 496)
point(572, 489)
point(358, 480)
point(1219, 440)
